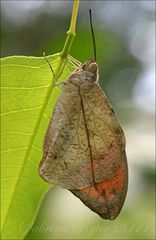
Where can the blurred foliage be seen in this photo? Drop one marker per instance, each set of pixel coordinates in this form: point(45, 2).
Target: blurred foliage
point(120, 69)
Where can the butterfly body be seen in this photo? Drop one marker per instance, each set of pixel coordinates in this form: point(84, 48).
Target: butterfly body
point(84, 149)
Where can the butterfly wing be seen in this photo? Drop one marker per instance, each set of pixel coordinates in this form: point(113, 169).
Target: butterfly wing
point(84, 149)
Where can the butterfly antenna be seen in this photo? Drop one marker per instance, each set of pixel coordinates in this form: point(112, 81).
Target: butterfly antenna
point(92, 32)
point(49, 66)
point(54, 76)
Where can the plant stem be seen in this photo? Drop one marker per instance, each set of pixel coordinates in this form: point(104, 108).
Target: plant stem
point(71, 33)
point(69, 40)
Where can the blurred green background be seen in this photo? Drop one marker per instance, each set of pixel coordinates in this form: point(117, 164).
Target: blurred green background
point(125, 36)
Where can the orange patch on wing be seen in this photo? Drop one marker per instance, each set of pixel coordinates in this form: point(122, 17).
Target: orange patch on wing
point(106, 198)
point(107, 188)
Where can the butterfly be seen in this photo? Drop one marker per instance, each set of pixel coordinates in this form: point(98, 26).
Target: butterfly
point(84, 147)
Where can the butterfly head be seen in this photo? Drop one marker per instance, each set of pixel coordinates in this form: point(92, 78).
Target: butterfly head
point(90, 66)
point(90, 70)
point(87, 72)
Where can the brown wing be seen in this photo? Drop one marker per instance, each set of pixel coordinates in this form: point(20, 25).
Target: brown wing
point(84, 143)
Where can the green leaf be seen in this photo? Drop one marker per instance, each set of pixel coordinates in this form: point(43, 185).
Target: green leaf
point(28, 99)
